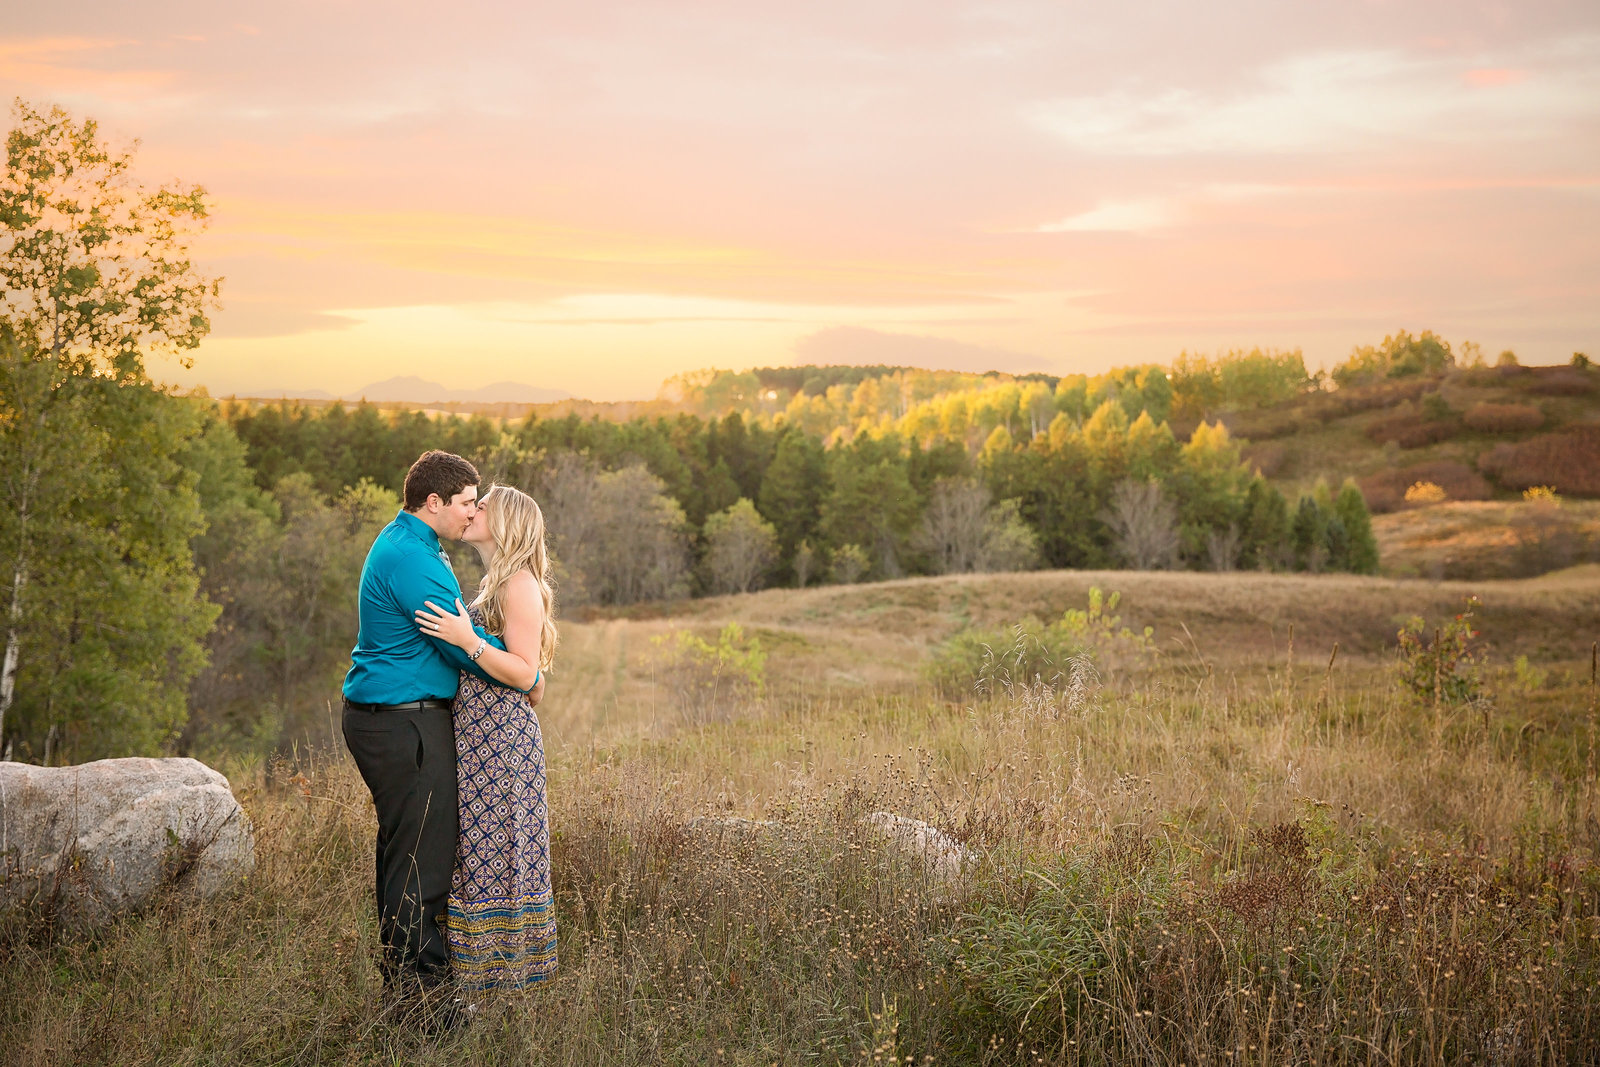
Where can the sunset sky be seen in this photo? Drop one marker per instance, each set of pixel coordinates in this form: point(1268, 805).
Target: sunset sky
point(593, 197)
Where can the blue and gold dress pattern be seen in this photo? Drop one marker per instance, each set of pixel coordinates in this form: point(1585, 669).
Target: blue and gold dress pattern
point(501, 921)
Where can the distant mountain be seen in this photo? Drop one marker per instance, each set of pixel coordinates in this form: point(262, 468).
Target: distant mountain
point(419, 390)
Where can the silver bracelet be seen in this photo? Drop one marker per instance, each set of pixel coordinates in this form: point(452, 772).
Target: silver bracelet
point(482, 644)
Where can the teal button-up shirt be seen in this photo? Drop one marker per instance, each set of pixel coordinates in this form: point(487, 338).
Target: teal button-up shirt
point(393, 663)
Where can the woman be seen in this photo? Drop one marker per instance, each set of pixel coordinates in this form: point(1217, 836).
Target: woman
point(501, 919)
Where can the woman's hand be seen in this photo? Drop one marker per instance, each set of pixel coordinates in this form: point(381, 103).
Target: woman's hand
point(456, 629)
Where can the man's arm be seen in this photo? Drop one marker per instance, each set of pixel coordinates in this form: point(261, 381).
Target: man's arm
point(425, 577)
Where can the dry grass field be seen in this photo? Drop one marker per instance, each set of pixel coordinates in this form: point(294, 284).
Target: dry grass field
point(1234, 848)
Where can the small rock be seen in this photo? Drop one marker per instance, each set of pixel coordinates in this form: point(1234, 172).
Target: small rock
point(96, 840)
point(942, 856)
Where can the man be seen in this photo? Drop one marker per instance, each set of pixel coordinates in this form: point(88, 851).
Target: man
point(397, 725)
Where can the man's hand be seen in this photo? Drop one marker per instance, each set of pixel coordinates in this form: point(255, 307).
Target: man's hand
point(536, 694)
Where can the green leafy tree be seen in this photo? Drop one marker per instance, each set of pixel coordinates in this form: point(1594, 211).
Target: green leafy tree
point(233, 557)
point(106, 618)
point(1209, 485)
point(741, 548)
point(640, 547)
point(1055, 490)
point(1399, 356)
point(97, 272)
point(311, 613)
point(96, 277)
point(1235, 381)
point(850, 564)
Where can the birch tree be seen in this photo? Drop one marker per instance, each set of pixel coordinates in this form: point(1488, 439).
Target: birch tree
point(1144, 525)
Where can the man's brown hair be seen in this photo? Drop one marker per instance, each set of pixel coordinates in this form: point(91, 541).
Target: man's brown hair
point(439, 472)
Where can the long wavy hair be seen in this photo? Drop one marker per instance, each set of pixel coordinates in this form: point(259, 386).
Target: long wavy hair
point(517, 526)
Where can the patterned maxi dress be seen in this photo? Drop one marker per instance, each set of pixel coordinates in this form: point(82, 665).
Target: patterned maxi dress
point(502, 921)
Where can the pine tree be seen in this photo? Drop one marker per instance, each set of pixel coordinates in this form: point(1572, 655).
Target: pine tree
point(871, 504)
point(1309, 536)
point(792, 490)
point(1265, 528)
point(1351, 507)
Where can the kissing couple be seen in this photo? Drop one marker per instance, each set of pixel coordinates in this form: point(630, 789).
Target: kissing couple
point(439, 716)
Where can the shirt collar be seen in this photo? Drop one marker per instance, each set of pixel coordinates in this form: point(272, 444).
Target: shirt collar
point(418, 529)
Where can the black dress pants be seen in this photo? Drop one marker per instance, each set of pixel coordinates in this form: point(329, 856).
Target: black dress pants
point(408, 760)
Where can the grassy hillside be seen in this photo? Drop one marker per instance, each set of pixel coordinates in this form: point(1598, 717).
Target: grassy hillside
point(1226, 848)
point(1440, 428)
point(1487, 538)
point(1481, 435)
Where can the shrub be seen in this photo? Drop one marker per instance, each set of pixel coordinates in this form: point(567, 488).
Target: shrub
point(1542, 494)
point(1503, 418)
point(1263, 426)
point(1561, 381)
point(1447, 669)
point(708, 680)
point(1426, 493)
point(850, 562)
point(1568, 461)
point(1385, 491)
point(1546, 539)
point(1031, 968)
point(1356, 399)
point(1307, 933)
point(1435, 406)
point(1413, 431)
point(1031, 652)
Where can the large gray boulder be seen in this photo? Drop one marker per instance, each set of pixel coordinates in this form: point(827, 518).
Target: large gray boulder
point(90, 842)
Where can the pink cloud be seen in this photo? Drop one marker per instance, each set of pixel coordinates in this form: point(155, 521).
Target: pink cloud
point(1490, 77)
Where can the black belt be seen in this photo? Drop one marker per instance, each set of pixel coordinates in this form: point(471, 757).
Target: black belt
point(411, 705)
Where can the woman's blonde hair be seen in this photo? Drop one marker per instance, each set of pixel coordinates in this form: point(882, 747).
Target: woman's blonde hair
point(517, 526)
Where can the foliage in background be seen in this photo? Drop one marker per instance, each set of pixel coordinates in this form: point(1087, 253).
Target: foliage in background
point(1399, 356)
point(1442, 664)
point(1048, 460)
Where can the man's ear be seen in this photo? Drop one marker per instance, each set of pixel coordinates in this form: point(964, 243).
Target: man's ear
point(434, 503)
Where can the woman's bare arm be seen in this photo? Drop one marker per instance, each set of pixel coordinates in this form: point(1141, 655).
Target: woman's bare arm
point(517, 666)
point(524, 626)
